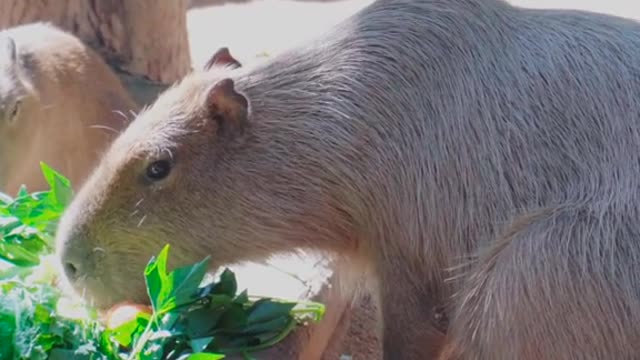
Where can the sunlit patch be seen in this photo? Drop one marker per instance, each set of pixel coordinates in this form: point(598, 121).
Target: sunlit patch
point(72, 308)
point(46, 272)
point(121, 313)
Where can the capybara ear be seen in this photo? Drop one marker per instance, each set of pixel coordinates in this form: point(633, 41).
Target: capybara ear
point(227, 107)
point(222, 57)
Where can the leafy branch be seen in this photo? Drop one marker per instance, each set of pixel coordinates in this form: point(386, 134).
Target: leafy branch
point(189, 319)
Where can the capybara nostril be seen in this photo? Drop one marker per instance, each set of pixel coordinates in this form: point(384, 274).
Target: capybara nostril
point(71, 270)
point(74, 259)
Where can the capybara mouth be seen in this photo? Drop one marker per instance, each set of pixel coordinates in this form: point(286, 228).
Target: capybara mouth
point(105, 290)
point(102, 297)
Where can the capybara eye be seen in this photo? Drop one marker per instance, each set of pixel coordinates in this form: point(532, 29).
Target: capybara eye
point(158, 170)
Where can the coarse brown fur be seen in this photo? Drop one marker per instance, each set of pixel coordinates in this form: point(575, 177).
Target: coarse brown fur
point(59, 103)
point(417, 137)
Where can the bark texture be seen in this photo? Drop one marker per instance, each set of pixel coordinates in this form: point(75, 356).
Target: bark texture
point(142, 37)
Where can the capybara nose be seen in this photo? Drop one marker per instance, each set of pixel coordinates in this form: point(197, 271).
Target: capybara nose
point(74, 259)
point(71, 270)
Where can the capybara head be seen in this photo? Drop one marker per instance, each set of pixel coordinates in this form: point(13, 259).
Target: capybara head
point(183, 173)
point(16, 101)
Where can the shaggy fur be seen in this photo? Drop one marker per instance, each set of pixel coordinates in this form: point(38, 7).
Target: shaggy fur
point(59, 103)
point(417, 137)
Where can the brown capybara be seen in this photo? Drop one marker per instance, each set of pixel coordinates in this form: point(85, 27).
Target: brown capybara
point(59, 103)
point(416, 137)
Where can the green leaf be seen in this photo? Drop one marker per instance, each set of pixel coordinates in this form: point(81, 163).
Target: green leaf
point(200, 322)
point(198, 345)
point(168, 320)
point(242, 298)
point(184, 283)
point(7, 329)
point(22, 191)
point(269, 326)
point(18, 255)
point(60, 185)
point(233, 318)
point(188, 320)
point(65, 354)
point(157, 280)
point(178, 288)
point(227, 284)
point(41, 314)
point(205, 356)
point(265, 310)
point(125, 333)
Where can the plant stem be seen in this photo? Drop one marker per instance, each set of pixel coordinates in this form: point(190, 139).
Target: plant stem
point(269, 343)
point(142, 341)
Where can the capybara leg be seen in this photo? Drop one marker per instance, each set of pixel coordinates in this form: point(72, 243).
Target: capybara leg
point(561, 284)
point(408, 329)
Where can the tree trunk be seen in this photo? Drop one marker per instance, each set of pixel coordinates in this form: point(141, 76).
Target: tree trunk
point(141, 37)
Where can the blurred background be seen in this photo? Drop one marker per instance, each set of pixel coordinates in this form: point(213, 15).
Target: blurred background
point(252, 28)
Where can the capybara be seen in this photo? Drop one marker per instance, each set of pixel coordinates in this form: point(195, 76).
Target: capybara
point(350, 318)
point(311, 341)
point(59, 103)
point(417, 137)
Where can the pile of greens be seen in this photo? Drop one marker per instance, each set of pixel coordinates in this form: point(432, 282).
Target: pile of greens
point(190, 318)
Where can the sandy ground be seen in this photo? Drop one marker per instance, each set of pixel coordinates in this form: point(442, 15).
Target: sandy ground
point(255, 29)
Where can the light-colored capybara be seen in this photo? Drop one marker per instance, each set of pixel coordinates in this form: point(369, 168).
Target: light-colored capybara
point(59, 103)
point(415, 137)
